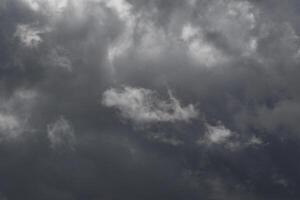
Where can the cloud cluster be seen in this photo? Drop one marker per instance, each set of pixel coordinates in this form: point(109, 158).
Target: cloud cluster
point(144, 105)
point(209, 91)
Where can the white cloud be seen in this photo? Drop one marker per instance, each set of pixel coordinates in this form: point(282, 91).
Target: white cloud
point(144, 105)
point(29, 35)
point(221, 135)
point(61, 134)
point(218, 134)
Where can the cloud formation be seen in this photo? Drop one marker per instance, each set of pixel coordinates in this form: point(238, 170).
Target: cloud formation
point(218, 134)
point(28, 35)
point(143, 105)
point(209, 91)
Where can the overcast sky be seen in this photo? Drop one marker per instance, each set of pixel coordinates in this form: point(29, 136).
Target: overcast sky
point(149, 100)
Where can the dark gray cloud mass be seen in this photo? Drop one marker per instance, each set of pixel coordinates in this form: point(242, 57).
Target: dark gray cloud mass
point(149, 100)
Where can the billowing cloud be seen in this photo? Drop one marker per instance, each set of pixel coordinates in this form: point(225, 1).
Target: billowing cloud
point(144, 105)
point(227, 128)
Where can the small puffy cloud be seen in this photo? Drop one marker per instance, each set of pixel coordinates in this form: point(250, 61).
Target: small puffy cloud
point(143, 105)
point(61, 134)
point(29, 35)
point(218, 134)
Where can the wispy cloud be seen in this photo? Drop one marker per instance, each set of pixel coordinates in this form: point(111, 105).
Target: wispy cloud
point(144, 105)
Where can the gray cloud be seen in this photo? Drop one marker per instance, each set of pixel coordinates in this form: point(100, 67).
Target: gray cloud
point(228, 129)
point(60, 134)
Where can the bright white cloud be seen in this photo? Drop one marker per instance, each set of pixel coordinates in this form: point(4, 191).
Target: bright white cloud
point(218, 134)
point(144, 105)
point(61, 134)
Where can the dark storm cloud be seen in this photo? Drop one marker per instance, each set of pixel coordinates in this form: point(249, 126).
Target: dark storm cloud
point(149, 99)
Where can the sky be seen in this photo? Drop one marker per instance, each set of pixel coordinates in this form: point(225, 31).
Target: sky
point(149, 100)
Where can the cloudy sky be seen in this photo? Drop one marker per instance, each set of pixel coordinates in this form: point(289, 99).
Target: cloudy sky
point(149, 99)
